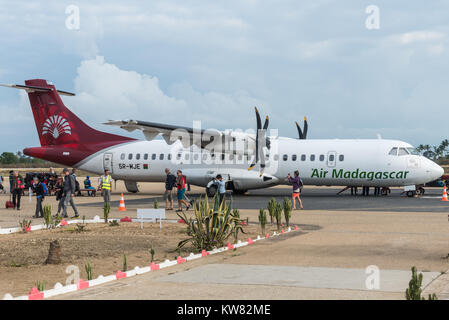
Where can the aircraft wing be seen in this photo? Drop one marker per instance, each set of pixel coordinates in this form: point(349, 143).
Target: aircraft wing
point(205, 139)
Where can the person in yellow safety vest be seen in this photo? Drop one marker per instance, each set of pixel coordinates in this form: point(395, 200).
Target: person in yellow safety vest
point(105, 185)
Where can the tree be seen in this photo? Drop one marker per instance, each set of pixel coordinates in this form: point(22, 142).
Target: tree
point(8, 158)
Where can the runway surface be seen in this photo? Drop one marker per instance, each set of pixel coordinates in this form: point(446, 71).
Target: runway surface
point(320, 199)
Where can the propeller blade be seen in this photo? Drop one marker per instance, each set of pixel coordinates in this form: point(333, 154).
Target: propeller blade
point(299, 131)
point(259, 127)
point(306, 127)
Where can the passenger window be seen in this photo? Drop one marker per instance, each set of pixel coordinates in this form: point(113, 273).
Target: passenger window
point(122, 156)
point(161, 156)
point(153, 156)
point(312, 157)
point(285, 157)
point(341, 157)
point(130, 156)
point(178, 156)
point(331, 157)
point(393, 152)
point(169, 156)
point(145, 156)
point(403, 152)
point(222, 156)
point(303, 157)
point(138, 156)
point(321, 157)
point(294, 157)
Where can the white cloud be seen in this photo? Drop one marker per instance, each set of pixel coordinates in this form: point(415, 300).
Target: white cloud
point(106, 92)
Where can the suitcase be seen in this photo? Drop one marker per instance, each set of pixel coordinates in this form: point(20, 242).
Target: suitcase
point(9, 204)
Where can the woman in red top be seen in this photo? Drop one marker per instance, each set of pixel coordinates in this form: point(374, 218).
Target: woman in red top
point(17, 189)
point(181, 186)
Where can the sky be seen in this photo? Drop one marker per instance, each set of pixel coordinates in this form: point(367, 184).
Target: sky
point(354, 72)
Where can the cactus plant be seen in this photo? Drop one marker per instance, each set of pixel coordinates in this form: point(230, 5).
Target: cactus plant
point(262, 219)
point(278, 215)
point(106, 211)
point(271, 208)
point(287, 210)
point(414, 288)
point(40, 285)
point(125, 264)
point(88, 269)
point(155, 204)
point(152, 253)
point(48, 219)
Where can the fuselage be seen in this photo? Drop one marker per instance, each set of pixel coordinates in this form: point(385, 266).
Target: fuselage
point(351, 162)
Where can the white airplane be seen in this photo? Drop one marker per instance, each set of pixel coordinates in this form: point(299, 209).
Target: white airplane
point(246, 160)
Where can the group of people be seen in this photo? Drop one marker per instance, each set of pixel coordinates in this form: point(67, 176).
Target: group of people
point(179, 182)
point(65, 189)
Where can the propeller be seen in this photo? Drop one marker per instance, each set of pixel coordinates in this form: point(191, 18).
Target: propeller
point(261, 141)
point(302, 134)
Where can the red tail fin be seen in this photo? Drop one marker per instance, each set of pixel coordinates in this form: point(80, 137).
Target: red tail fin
point(57, 125)
point(63, 136)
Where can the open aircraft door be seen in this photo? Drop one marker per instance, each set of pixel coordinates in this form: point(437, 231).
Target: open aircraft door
point(107, 162)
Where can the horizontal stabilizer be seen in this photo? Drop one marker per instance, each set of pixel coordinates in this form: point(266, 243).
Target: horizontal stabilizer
point(35, 89)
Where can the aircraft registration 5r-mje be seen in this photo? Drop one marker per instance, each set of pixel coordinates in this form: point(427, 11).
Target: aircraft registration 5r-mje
point(247, 160)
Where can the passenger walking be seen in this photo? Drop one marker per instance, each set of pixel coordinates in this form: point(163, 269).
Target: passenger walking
point(181, 186)
point(105, 185)
point(296, 184)
point(221, 185)
point(170, 183)
point(69, 192)
point(2, 188)
point(39, 190)
point(59, 191)
point(17, 189)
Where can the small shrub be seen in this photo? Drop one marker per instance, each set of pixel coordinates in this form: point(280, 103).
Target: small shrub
point(262, 219)
point(25, 225)
point(88, 269)
point(155, 204)
point(80, 228)
point(210, 226)
point(114, 223)
point(287, 210)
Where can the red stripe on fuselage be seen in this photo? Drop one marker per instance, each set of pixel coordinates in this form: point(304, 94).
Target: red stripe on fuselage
point(70, 154)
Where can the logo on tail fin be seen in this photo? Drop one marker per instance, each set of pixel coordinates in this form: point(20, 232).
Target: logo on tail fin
point(56, 126)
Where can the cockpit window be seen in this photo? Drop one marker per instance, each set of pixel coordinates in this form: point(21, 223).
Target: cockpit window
point(413, 151)
point(403, 152)
point(393, 152)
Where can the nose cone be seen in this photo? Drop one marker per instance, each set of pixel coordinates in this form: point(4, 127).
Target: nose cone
point(435, 171)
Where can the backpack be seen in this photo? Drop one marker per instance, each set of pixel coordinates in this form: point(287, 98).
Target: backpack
point(44, 186)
